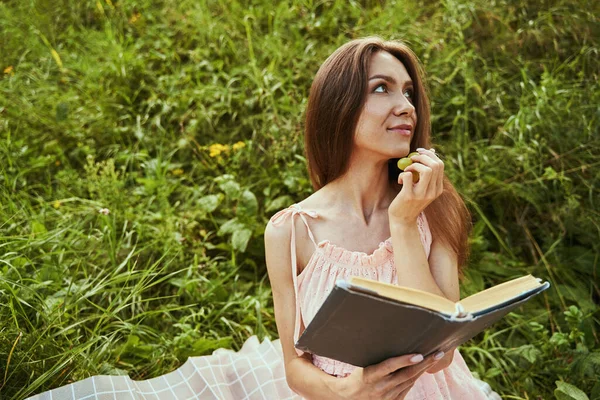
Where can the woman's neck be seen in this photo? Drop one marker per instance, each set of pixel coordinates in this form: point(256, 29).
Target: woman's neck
point(362, 192)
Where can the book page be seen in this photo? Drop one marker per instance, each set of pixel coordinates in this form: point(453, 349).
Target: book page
point(406, 295)
point(499, 293)
point(476, 302)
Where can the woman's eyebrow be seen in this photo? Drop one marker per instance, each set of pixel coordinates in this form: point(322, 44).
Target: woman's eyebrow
point(389, 79)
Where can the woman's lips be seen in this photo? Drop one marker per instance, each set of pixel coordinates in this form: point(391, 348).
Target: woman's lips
point(403, 132)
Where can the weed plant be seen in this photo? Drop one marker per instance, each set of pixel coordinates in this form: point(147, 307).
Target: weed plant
point(144, 145)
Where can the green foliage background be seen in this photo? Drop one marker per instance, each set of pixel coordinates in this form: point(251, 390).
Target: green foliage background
point(119, 105)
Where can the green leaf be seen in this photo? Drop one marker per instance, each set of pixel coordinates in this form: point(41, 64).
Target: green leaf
point(230, 226)
point(550, 173)
point(109, 369)
point(208, 204)
point(231, 189)
point(566, 391)
point(290, 181)
point(497, 264)
point(150, 184)
point(38, 227)
point(492, 372)
point(576, 293)
point(247, 205)
point(62, 111)
point(596, 391)
point(559, 339)
point(205, 345)
point(279, 203)
point(228, 185)
point(527, 351)
point(586, 364)
point(594, 359)
point(240, 239)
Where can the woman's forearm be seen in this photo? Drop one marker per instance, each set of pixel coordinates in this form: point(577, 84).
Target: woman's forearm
point(410, 259)
point(312, 383)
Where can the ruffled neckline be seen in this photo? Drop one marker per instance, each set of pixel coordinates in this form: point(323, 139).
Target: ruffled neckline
point(349, 257)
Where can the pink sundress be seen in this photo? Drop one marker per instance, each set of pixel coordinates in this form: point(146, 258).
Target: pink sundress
point(257, 371)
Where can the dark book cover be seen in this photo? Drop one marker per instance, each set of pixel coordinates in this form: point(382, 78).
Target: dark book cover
point(360, 328)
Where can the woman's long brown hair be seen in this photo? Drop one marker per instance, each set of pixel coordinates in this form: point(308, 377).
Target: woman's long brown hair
point(336, 99)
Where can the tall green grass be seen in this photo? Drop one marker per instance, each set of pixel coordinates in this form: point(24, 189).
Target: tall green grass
point(118, 106)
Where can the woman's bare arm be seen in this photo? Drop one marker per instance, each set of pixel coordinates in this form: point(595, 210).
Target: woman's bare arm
point(302, 376)
point(443, 263)
point(410, 259)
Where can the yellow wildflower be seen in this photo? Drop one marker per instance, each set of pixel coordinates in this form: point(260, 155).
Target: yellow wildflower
point(177, 171)
point(239, 145)
point(134, 18)
point(57, 163)
point(9, 70)
point(217, 148)
point(56, 204)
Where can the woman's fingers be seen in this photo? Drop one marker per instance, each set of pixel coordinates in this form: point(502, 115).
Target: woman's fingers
point(413, 197)
point(407, 376)
point(429, 159)
point(375, 372)
point(406, 180)
point(413, 371)
point(444, 362)
point(429, 152)
point(421, 188)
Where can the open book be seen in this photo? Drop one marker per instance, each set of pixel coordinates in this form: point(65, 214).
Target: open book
point(363, 322)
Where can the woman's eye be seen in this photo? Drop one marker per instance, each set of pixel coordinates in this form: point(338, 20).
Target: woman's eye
point(381, 89)
point(410, 93)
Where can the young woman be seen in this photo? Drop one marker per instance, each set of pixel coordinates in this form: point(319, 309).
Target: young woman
point(367, 105)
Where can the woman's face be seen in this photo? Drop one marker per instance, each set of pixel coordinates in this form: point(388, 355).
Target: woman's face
point(388, 119)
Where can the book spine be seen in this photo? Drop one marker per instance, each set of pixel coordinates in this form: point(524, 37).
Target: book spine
point(460, 314)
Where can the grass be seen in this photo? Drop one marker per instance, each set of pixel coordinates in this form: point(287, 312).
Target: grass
point(183, 122)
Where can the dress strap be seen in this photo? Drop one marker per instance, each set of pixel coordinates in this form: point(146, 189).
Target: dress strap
point(277, 220)
point(292, 211)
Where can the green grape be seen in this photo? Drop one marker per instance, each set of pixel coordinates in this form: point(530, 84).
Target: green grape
point(404, 162)
point(415, 176)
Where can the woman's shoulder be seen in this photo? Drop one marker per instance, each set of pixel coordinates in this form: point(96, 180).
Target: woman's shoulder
point(315, 204)
point(278, 233)
point(303, 215)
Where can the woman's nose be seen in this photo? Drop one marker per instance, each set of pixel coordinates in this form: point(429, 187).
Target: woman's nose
point(403, 106)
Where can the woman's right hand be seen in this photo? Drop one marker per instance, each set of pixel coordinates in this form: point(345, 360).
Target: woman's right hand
point(390, 379)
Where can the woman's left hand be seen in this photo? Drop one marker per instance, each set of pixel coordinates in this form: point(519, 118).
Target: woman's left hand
point(443, 363)
point(414, 198)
